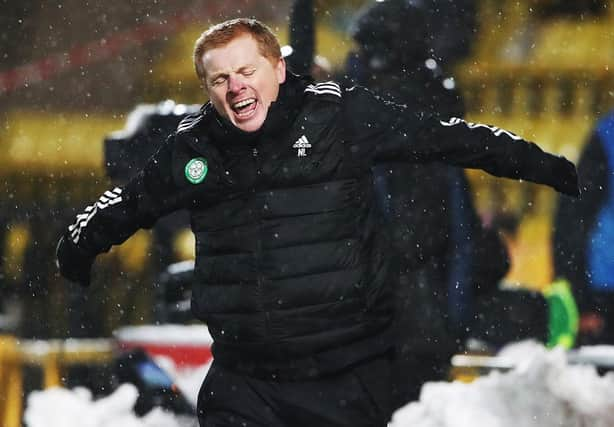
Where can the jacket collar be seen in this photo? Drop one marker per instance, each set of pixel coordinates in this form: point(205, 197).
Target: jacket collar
point(280, 116)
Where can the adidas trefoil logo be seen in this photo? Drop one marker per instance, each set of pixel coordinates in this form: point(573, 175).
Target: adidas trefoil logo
point(301, 145)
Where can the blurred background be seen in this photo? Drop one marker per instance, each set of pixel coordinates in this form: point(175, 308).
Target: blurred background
point(72, 72)
point(77, 79)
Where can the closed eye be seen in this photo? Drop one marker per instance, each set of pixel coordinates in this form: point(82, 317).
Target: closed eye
point(218, 80)
point(248, 71)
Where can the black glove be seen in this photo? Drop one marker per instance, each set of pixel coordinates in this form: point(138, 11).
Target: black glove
point(73, 262)
point(568, 178)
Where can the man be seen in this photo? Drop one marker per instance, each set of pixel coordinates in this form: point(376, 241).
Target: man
point(291, 272)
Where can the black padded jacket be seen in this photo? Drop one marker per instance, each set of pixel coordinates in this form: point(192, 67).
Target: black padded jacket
point(292, 270)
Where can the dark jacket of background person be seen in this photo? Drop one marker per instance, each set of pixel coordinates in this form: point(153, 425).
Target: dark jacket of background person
point(302, 37)
point(451, 26)
point(584, 236)
point(446, 258)
point(292, 275)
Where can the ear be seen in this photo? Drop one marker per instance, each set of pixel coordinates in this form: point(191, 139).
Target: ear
point(280, 70)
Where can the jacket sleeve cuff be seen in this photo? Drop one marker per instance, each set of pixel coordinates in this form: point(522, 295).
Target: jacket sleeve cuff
point(566, 177)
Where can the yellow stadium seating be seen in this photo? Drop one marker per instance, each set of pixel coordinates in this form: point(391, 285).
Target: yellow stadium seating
point(55, 141)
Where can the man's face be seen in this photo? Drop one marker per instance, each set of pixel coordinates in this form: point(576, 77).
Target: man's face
point(241, 82)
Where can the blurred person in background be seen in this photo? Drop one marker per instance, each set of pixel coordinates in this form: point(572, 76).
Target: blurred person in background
point(447, 258)
point(583, 237)
point(300, 54)
point(293, 271)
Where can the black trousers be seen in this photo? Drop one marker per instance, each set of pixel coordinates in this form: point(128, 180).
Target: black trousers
point(358, 396)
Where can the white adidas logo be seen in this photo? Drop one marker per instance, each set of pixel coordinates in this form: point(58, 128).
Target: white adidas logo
point(301, 145)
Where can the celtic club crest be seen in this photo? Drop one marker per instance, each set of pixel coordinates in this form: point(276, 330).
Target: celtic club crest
point(196, 170)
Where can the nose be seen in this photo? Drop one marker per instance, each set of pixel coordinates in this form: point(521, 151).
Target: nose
point(235, 84)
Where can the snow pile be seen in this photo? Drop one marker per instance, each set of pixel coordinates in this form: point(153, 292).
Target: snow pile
point(543, 390)
point(59, 407)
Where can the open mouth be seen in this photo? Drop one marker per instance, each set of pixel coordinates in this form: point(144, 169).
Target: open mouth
point(245, 107)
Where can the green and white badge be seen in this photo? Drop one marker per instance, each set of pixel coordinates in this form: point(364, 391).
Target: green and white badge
point(196, 170)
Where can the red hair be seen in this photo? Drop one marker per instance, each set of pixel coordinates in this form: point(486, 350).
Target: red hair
point(225, 32)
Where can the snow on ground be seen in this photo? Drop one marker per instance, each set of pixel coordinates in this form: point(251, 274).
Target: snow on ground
point(59, 407)
point(543, 390)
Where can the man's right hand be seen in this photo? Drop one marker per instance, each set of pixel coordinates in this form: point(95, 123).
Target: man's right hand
point(74, 263)
point(568, 174)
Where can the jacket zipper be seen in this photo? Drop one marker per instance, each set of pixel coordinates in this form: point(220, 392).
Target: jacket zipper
point(260, 279)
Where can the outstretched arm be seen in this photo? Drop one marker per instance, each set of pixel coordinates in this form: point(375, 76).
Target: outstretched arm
point(496, 151)
point(118, 214)
point(386, 131)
